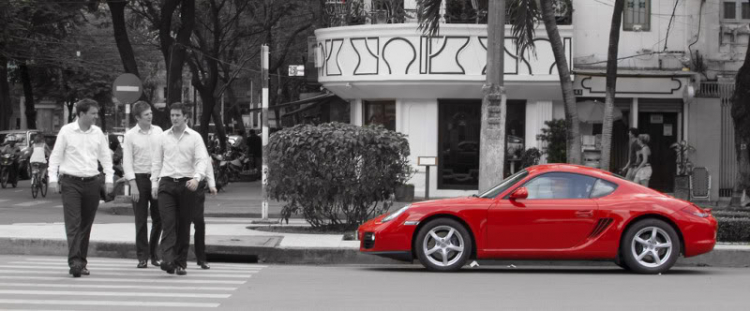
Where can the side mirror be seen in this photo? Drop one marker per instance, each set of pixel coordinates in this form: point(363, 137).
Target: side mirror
point(520, 193)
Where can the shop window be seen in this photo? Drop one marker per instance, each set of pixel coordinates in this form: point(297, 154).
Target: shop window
point(636, 15)
point(735, 10)
point(381, 112)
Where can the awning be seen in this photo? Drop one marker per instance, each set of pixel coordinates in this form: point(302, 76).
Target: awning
point(299, 102)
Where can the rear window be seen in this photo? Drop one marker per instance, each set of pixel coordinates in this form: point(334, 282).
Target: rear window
point(602, 188)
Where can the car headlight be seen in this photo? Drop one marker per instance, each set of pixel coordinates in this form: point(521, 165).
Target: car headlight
point(395, 214)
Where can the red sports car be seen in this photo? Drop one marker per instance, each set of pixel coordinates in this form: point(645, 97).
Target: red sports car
point(554, 211)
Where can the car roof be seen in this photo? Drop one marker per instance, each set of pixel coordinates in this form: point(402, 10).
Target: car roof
point(570, 168)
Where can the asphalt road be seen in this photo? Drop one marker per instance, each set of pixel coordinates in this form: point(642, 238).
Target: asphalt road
point(115, 284)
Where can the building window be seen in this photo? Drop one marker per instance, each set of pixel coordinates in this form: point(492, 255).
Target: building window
point(381, 112)
point(636, 15)
point(735, 10)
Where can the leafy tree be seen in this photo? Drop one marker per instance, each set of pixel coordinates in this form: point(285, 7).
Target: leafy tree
point(741, 117)
point(555, 136)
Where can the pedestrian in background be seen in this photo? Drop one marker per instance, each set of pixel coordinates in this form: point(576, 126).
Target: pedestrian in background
point(78, 147)
point(633, 148)
point(39, 154)
point(644, 171)
point(136, 151)
point(255, 144)
point(199, 222)
point(178, 165)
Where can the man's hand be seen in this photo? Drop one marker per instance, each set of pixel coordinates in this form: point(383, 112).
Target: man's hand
point(192, 184)
point(212, 190)
point(55, 187)
point(134, 193)
point(109, 186)
point(154, 190)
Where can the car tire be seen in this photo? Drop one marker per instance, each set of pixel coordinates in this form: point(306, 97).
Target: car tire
point(650, 246)
point(443, 244)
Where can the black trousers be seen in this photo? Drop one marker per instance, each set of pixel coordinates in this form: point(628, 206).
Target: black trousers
point(177, 208)
point(200, 224)
point(80, 202)
point(146, 248)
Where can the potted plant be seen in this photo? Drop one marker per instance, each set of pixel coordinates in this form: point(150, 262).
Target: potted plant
point(684, 169)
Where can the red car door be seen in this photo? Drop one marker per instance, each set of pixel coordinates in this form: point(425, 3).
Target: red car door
point(558, 214)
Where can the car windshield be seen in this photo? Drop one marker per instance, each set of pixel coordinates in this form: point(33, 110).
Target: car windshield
point(504, 185)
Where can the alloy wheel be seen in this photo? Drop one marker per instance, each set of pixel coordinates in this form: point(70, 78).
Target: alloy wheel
point(443, 246)
point(651, 247)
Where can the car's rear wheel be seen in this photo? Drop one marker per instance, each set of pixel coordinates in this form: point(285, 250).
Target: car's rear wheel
point(650, 246)
point(443, 244)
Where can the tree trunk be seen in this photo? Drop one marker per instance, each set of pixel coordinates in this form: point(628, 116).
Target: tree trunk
point(28, 94)
point(117, 9)
point(220, 132)
point(611, 83)
point(6, 108)
point(235, 112)
point(174, 51)
point(566, 83)
point(492, 138)
point(741, 118)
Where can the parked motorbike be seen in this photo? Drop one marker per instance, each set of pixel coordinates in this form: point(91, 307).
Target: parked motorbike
point(220, 171)
point(8, 170)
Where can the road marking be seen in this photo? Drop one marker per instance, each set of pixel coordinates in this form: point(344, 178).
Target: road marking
point(133, 269)
point(31, 203)
point(112, 294)
point(111, 303)
point(177, 280)
point(136, 273)
point(58, 206)
point(4, 200)
point(214, 268)
point(17, 191)
point(132, 261)
point(103, 286)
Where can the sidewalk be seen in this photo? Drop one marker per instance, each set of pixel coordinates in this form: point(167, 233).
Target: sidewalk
point(230, 237)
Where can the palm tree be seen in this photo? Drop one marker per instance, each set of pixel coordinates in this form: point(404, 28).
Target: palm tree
point(611, 83)
point(741, 118)
point(525, 15)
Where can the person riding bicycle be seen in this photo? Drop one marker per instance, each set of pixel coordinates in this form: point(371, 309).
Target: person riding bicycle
point(11, 148)
point(40, 154)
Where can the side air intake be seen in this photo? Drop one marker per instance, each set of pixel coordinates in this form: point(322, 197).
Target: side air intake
point(600, 227)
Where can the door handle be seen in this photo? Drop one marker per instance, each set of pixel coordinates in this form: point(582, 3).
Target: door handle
point(585, 213)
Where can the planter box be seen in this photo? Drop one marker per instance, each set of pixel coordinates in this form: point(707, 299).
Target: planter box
point(405, 193)
point(682, 187)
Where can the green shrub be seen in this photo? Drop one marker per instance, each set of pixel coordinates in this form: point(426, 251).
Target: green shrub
point(555, 135)
point(733, 229)
point(334, 171)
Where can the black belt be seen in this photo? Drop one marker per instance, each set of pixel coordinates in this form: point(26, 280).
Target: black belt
point(176, 179)
point(147, 175)
point(91, 178)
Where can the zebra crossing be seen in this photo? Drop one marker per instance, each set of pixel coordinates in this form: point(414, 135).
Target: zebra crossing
point(116, 284)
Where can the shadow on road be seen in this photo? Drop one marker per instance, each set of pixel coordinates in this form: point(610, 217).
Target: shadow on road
point(540, 270)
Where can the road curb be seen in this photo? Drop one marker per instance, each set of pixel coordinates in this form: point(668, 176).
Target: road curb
point(264, 249)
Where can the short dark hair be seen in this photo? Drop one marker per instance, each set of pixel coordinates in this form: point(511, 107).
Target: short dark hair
point(633, 131)
point(139, 107)
point(180, 106)
point(83, 105)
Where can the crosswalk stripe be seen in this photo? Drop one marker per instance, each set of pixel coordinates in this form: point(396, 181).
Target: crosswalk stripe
point(121, 294)
point(31, 203)
point(120, 268)
point(145, 273)
point(130, 261)
point(177, 280)
point(4, 200)
point(111, 303)
point(103, 286)
point(129, 264)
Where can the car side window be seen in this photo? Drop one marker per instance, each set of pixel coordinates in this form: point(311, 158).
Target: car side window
point(602, 188)
point(560, 186)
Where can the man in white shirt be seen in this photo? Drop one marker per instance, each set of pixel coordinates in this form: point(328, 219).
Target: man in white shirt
point(198, 221)
point(78, 147)
point(136, 162)
point(178, 165)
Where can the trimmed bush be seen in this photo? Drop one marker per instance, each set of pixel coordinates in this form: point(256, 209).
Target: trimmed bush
point(733, 229)
point(336, 175)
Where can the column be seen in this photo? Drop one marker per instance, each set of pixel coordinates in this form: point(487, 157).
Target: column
point(356, 112)
point(685, 118)
point(634, 113)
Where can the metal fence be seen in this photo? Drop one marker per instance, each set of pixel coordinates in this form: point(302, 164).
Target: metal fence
point(728, 166)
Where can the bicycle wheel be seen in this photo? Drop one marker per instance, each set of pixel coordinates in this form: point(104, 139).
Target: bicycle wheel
point(43, 186)
point(34, 187)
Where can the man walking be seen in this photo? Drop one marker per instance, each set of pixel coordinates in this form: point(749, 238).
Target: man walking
point(178, 165)
point(199, 221)
point(78, 147)
point(136, 150)
point(632, 166)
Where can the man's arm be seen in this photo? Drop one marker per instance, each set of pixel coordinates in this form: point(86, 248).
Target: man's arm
point(105, 158)
point(57, 156)
point(201, 158)
point(127, 157)
point(157, 158)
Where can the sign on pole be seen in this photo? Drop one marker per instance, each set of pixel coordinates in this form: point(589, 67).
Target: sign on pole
point(127, 88)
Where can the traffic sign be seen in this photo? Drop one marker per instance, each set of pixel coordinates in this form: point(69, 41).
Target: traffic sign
point(127, 88)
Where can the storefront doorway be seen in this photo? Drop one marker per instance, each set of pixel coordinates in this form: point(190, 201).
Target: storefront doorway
point(662, 127)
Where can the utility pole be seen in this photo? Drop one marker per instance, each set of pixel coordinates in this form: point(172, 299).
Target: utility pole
point(264, 124)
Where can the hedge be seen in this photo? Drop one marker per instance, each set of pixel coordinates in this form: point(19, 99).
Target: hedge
point(733, 229)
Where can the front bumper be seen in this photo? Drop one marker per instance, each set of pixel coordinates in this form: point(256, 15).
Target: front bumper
point(392, 239)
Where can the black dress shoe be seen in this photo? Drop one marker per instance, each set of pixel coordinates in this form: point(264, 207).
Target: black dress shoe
point(155, 262)
point(75, 271)
point(180, 271)
point(204, 265)
point(167, 267)
point(85, 271)
point(142, 264)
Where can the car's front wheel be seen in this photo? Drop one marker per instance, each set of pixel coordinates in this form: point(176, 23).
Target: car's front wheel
point(443, 245)
point(650, 246)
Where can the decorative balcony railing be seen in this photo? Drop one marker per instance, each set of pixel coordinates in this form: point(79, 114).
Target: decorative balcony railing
point(713, 89)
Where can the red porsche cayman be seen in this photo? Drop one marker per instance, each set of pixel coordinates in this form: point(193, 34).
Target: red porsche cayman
point(554, 211)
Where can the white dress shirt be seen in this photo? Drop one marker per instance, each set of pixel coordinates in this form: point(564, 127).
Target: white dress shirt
point(136, 150)
point(181, 157)
point(210, 172)
point(76, 153)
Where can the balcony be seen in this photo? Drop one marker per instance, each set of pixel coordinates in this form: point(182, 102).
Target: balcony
point(378, 61)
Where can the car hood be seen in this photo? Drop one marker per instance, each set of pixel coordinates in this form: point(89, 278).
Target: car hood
point(448, 202)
